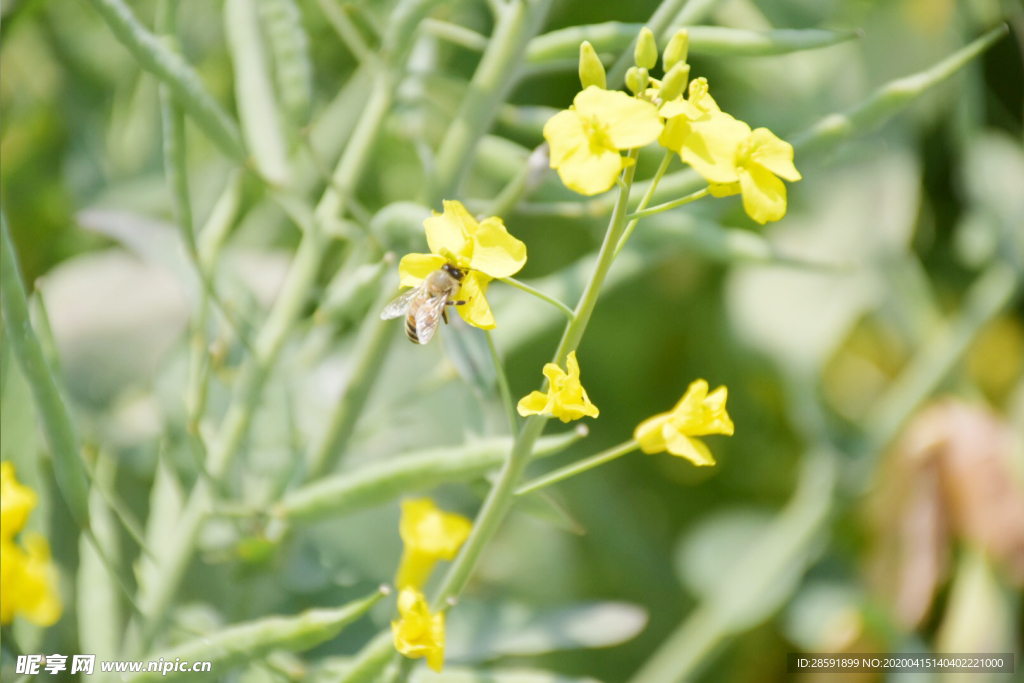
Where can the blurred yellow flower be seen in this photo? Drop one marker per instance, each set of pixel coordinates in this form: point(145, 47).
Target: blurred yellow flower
point(28, 579)
point(16, 502)
point(429, 535)
point(736, 160)
point(585, 140)
point(484, 247)
point(680, 113)
point(565, 399)
point(418, 633)
point(698, 413)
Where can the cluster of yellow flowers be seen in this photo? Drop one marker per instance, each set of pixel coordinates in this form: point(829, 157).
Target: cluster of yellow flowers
point(428, 535)
point(587, 139)
point(28, 578)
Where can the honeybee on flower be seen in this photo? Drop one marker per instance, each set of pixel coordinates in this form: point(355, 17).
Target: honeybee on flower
point(466, 255)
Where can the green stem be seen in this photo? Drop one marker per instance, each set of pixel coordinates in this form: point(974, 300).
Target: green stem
point(563, 473)
point(499, 500)
point(651, 187)
point(568, 312)
point(503, 386)
point(682, 201)
point(57, 425)
point(455, 34)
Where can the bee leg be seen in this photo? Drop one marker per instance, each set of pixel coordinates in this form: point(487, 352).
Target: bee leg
point(458, 303)
point(444, 315)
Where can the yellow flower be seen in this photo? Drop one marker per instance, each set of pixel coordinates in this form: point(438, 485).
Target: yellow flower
point(680, 113)
point(736, 160)
point(28, 582)
point(565, 399)
point(429, 535)
point(586, 139)
point(697, 414)
point(16, 502)
point(485, 247)
point(28, 579)
point(418, 633)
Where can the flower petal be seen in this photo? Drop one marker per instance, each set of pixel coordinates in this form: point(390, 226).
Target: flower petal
point(475, 311)
point(649, 433)
point(496, 252)
point(630, 122)
point(535, 403)
point(711, 147)
point(564, 133)
point(764, 195)
point(414, 268)
point(693, 450)
point(591, 170)
point(16, 502)
point(451, 230)
point(774, 154)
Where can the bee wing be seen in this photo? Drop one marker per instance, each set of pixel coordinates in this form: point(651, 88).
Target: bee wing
point(428, 317)
point(400, 306)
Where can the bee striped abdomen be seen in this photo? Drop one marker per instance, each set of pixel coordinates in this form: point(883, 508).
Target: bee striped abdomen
point(410, 329)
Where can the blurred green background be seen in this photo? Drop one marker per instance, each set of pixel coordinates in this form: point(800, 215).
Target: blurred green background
point(909, 217)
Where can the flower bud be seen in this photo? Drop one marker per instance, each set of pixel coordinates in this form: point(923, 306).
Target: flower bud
point(637, 79)
point(646, 52)
point(677, 49)
point(591, 68)
point(674, 82)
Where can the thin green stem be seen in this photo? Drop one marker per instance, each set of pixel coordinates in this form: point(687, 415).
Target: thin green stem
point(682, 201)
point(57, 425)
point(563, 473)
point(652, 186)
point(568, 312)
point(503, 386)
point(499, 500)
point(455, 34)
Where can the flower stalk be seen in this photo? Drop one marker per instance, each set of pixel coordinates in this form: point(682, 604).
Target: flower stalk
point(563, 473)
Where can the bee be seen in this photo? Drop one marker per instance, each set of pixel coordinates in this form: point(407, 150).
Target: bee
point(425, 305)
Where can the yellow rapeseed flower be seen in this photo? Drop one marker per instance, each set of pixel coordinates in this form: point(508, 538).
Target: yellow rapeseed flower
point(698, 413)
point(565, 399)
point(680, 113)
point(418, 633)
point(16, 502)
point(429, 535)
point(585, 140)
point(484, 247)
point(28, 578)
point(736, 160)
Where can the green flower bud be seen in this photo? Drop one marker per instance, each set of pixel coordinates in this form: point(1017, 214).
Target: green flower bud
point(675, 81)
point(646, 51)
point(677, 49)
point(637, 79)
point(591, 68)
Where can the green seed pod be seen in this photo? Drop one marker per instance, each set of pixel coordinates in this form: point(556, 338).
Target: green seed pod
point(646, 52)
point(289, 47)
point(239, 643)
point(591, 68)
point(637, 79)
point(677, 49)
point(675, 81)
